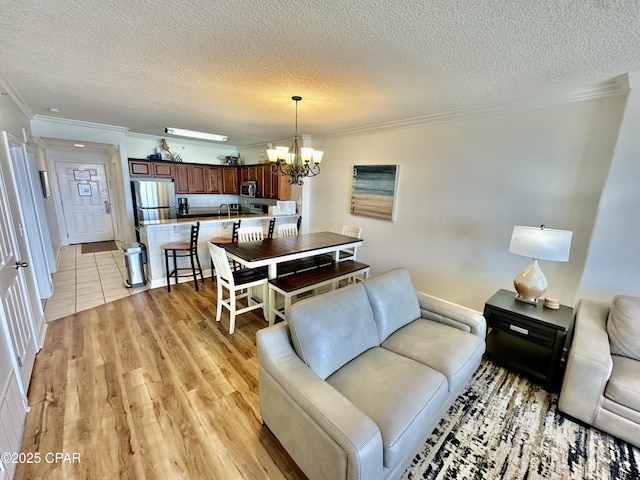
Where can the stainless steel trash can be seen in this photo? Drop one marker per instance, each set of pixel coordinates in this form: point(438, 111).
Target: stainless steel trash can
point(135, 256)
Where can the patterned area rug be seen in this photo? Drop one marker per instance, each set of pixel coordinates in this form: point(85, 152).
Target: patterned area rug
point(96, 247)
point(505, 427)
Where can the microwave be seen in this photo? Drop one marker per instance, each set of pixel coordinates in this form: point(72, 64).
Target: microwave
point(248, 189)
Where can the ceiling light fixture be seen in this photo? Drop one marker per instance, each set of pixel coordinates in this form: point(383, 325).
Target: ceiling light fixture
point(297, 163)
point(79, 145)
point(53, 110)
point(190, 133)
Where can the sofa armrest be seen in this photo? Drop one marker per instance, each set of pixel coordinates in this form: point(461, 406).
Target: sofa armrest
point(452, 314)
point(325, 434)
point(589, 364)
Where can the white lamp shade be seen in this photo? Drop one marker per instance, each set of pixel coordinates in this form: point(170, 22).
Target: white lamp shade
point(541, 243)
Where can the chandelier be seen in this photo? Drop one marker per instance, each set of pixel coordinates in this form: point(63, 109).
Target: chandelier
point(295, 162)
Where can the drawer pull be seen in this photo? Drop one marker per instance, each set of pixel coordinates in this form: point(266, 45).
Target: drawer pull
point(521, 330)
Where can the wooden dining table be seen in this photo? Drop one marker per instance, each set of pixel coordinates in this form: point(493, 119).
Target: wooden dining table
point(272, 251)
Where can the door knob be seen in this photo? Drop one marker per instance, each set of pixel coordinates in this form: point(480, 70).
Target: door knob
point(22, 264)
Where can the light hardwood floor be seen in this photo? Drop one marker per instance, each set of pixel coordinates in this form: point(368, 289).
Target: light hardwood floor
point(149, 387)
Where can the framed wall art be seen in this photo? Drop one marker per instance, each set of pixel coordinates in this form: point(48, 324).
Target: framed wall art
point(373, 193)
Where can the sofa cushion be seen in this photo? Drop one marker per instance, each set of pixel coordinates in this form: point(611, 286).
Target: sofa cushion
point(624, 384)
point(393, 300)
point(451, 351)
point(329, 330)
point(623, 326)
point(400, 395)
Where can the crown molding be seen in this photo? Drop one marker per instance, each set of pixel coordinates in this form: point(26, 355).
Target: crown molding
point(78, 123)
point(629, 80)
point(611, 88)
point(7, 87)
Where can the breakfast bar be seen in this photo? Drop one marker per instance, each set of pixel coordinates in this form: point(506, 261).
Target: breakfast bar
point(155, 233)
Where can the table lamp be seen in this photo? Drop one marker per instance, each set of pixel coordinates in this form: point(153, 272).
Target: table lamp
point(537, 243)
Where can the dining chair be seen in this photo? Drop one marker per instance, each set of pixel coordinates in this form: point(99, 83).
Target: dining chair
point(237, 281)
point(176, 250)
point(287, 230)
point(272, 224)
point(250, 234)
point(350, 253)
point(225, 241)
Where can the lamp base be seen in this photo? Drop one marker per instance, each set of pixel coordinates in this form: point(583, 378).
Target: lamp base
point(531, 300)
point(530, 284)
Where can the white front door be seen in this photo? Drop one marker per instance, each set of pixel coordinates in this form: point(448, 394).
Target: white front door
point(85, 201)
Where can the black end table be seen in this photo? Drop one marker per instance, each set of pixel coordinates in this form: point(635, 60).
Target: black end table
point(529, 338)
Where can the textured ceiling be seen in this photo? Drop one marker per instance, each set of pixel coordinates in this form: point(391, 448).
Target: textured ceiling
point(231, 66)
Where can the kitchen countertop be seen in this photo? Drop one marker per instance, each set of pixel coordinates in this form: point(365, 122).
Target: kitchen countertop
point(207, 212)
point(211, 218)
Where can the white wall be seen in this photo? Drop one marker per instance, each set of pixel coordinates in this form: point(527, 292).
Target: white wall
point(191, 151)
point(613, 264)
point(465, 183)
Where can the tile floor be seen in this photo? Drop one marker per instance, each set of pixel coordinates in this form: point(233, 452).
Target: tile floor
point(86, 281)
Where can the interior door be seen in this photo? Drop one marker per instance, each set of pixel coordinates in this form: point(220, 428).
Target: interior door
point(33, 222)
point(85, 201)
point(18, 332)
point(16, 313)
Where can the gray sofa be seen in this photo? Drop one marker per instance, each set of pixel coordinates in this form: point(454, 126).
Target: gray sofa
point(355, 382)
point(601, 384)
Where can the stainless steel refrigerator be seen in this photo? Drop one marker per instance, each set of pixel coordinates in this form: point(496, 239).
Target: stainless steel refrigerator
point(154, 200)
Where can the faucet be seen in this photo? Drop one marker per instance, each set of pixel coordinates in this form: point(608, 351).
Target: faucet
point(228, 209)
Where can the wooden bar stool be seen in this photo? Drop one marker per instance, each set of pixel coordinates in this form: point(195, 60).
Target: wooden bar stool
point(183, 249)
point(225, 241)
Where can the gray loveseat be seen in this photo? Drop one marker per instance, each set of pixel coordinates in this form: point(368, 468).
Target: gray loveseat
point(355, 382)
point(601, 384)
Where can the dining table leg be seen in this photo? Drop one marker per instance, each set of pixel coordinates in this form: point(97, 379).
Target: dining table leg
point(269, 315)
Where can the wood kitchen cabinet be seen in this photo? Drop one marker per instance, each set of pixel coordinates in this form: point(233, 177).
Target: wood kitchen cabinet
point(145, 168)
point(276, 186)
point(191, 178)
point(198, 178)
point(214, 180)
point(182, 178)
point(162, 169)
point(140, 168)
point(249, 172)
point(280, 189)
point(268, 184)
point(229, 180)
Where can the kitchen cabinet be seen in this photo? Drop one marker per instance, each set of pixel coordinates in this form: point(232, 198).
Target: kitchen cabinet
point(268, 184)
point(190, 178)
point(276, 186)
point(214, 180)
point(182, 178)
point(198, 178)
point(162, 169)
point(140, 168)
point(145, 168)
point(280, 189)
point(230, 180)
point(249, 172)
